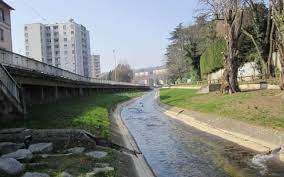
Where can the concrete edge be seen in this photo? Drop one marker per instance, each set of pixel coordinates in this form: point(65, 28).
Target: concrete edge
point(238, 138)
point(143, 168)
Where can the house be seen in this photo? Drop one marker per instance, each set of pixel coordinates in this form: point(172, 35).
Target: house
point(5, 26)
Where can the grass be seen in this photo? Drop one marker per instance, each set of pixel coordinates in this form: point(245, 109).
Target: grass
point(264, 108)
point(89, 113)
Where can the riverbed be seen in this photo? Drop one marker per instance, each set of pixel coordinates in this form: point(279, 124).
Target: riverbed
point(175, 149)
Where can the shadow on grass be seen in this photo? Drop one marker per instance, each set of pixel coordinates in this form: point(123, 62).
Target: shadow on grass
point(89, 113)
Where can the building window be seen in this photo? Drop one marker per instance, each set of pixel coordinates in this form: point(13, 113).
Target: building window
point(2, 35)
point(26, 35)
point(55, 33)
point(65, 39)
point(27, 48)
point(65, 46)
point(55, 27)
point(26, 40)
point(65, 33)
point(56, 46)
point(27, 54)
point(47, 28)
point(73, 51)
point(65, 52)
point(26, 28)
point(56, 40)
point(72, 32)
point(64, 26)
point(2, 15)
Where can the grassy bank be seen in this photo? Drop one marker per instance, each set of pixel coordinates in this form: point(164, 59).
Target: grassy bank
point(264, 108)
point(89, 113)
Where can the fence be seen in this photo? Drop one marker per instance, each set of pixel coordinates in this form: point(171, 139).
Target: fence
point(242, 80)
point(8, 58)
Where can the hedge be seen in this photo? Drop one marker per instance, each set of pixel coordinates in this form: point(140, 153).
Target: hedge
point(212, 59)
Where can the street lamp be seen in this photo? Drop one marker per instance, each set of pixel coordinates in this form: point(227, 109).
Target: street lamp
point(114, 64)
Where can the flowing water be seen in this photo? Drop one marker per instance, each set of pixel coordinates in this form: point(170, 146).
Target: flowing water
point(174, 149)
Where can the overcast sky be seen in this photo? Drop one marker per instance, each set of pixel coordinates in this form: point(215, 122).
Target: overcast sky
point(136, 29)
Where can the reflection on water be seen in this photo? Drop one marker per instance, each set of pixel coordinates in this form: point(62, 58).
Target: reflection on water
point(174, 149)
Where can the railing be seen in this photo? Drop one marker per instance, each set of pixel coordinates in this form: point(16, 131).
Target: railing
point(8, 58)
point(9, 85)
point(241, 80)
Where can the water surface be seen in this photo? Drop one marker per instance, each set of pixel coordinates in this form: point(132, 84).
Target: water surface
point(175, 149)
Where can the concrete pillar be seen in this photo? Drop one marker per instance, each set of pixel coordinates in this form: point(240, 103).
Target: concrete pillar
point(56, 92)
point(81, 92)
point(42, 95)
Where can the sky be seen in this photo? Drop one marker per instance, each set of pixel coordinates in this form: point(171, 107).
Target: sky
point(138, 30)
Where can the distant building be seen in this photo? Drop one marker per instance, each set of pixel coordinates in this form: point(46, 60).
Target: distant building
point(5, 26)
point(151, 76)
point(95, 66)
point(64, 45)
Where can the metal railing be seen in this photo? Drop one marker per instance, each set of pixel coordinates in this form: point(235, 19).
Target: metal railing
point(253, 79)
point(9, 85)
point(11, 59)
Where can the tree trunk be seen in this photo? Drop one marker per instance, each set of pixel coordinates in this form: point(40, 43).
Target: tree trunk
point(281, 54)
point(269, 60)
point(230, 74)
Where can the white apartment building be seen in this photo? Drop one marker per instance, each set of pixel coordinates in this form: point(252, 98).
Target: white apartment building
point(95, 66)
point(64, 45)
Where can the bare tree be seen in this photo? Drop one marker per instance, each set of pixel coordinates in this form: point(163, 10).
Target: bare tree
point(231, 11)
point(278, 20)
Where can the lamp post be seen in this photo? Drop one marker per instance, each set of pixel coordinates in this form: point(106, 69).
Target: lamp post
point(114, 57)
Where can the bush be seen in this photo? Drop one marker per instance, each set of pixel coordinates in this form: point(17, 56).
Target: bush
point(212, 59)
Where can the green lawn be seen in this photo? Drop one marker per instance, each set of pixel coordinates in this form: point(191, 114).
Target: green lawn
point(264, 108)
point(89, 113)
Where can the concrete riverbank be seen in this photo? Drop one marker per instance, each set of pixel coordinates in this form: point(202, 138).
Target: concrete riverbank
point(251, 136)
point(135, 164)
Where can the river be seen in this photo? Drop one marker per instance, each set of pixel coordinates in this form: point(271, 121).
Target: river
point(175, 149)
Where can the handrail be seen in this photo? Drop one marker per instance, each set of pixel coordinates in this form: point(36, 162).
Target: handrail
point(10, 84)
point(8, 58)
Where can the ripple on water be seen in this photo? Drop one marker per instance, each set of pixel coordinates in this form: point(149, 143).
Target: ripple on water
point(174, 149)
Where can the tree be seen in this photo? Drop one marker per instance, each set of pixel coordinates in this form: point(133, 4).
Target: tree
point(277, 7)
point(123, 73)
point(187, 45)
point(231, 11)
point(259, 31)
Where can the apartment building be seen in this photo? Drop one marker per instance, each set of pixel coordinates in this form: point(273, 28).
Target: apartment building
point(5, 26)
point(95, 66)
point(64, 45)
point(151, 76)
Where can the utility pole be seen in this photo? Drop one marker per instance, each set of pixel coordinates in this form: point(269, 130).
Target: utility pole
point(114, 57)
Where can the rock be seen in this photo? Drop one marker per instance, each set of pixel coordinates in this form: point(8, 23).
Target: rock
point(65, 174)
point(97, 154)
point(99, 170)
point(10, 166)
point(75, 150)
point(8, 147)
point(102, 165)
point(35, 174)
point(41, 148)
point(12, 130)
point(21, 154)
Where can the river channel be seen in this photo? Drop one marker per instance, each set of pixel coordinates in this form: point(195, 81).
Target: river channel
point(175, 149)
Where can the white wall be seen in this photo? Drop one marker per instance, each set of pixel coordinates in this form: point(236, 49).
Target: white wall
point(248, 69)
